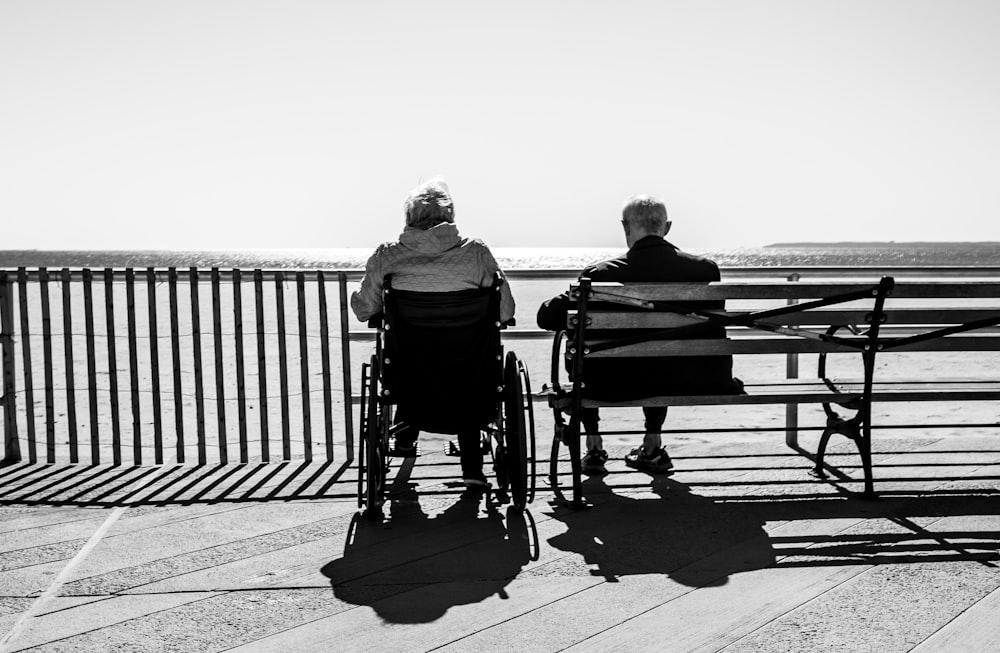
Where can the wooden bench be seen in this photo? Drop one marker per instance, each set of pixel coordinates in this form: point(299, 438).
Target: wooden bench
point(798, 317)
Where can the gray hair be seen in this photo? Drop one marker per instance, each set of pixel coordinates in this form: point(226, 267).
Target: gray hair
point(429, 204)
point(647, 213)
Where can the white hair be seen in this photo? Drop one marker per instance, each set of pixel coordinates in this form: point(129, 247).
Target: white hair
point(429, 204)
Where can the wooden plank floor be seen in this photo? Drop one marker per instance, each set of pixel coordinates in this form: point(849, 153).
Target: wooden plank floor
point(739, 550)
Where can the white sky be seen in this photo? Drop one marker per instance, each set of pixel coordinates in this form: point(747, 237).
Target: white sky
point(187, 124)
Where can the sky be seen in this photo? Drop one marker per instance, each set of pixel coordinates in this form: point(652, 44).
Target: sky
point(233, 124)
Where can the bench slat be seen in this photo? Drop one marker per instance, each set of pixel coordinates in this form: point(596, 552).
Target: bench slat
point(719, 346)
point(815, 391)
point(980, 342)
point(786, 345)
point(726, 290)
point(721, 290)
point(947, 290)
point(817, 318)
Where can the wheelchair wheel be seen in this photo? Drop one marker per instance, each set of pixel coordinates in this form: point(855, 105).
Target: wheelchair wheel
point(519, 432)
point(376, 440)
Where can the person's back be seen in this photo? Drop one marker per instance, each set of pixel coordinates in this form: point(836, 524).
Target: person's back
point(431, 257)
point(650, 258)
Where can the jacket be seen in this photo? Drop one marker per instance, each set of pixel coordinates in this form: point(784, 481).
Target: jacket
point(429, 260)
point(650, 259)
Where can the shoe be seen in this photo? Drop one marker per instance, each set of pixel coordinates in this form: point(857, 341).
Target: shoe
point(475, 481)
point(452, 448)
point(593, 462)
point(398, 449)
point(657, 462)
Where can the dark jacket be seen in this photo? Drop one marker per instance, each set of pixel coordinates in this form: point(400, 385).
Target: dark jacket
point(650, 259)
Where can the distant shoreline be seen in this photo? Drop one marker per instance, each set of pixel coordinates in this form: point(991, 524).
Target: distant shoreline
point(887, 244)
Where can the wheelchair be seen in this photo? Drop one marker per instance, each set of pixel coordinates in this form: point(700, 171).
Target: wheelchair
point(439, 362)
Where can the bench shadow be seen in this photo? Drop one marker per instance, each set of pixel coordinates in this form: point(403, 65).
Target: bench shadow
point(700, 541)
point(676, 533)
point(411, 567)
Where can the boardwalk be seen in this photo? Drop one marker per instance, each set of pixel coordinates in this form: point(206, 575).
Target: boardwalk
point(740, 550)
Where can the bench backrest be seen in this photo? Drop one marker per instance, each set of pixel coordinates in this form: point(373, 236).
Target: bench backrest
point(789, 317)
point(916, 316)
point(942, 316)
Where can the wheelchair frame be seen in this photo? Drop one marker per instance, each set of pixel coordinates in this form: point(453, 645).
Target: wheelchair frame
point(510, 438)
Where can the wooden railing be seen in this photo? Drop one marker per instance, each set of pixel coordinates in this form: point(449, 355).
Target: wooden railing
point(205, 355)
point(138, 366)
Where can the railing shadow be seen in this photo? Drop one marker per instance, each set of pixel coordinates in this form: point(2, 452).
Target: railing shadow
point(162, 485)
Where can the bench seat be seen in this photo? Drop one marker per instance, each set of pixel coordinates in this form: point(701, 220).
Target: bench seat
point(812, 391)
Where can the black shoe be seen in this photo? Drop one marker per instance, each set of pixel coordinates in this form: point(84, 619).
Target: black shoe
point(452, 448)
point(593, 462)
point(657, 462)
point(475, 480)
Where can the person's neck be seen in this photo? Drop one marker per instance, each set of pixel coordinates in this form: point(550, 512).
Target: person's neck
point(632, 240)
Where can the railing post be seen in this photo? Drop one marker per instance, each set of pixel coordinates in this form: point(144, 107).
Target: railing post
point(324, 343)
point(345, 349)
point(792, 372)
point(12, 446)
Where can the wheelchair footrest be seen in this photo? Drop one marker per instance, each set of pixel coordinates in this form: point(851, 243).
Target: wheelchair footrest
point(396, 451)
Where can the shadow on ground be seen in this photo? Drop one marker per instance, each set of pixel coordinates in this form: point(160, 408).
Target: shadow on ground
point(625, 534)
point(463, 555)
point(701, 541)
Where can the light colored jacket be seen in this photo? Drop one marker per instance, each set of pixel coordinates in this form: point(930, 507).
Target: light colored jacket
point(429, 260)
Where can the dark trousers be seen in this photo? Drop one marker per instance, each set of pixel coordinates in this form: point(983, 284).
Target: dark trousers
point(655, 416)
point(469, 445)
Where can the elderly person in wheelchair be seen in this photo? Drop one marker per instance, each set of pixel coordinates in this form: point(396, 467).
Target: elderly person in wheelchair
point(440, 301)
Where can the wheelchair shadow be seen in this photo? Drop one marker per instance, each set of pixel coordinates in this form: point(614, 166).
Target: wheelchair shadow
point(410, 567)
point(678, 534)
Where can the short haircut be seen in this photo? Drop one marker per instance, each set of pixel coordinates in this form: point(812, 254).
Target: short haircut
point(645, 212)
point(429, 204)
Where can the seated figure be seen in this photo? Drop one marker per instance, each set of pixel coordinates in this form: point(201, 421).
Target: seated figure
point(431, 257)
point(649, 258)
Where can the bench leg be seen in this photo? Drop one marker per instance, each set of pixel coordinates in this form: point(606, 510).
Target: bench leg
point(792, 425)
point(849, 428)
point(824, 439)
point(576, 464)
point(554, 462)
point(858, 430)
point(865, 449)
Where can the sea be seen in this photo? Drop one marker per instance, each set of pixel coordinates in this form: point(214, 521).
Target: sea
point(531, 258)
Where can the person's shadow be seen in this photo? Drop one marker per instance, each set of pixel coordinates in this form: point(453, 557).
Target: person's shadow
point(692, 539)
point(411, 568)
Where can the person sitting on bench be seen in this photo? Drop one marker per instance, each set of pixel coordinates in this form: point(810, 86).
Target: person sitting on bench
point(650, 257)
point(431, 256)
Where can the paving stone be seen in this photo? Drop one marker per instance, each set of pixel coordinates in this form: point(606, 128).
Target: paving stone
point(216, 623)
point(859, 615)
